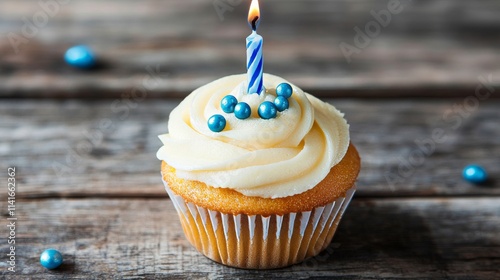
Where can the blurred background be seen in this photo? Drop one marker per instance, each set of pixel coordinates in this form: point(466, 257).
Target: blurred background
point(351, 48)
point(416, 80)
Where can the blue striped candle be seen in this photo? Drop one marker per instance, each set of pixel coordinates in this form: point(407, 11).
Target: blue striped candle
point(255, 59)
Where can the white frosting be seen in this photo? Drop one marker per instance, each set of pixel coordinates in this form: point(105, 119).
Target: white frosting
point(272, 158)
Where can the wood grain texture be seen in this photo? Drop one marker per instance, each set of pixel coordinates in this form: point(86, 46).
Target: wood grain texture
point(88, 181)
point(87, 148)
point(142, 238)
point(430, 48)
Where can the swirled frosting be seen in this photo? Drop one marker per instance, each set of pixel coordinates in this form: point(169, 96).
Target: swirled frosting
point(272, 158)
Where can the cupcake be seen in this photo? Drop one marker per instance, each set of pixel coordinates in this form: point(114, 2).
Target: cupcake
point(265, 190)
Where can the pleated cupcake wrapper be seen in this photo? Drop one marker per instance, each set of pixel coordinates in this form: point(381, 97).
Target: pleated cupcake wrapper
point(256, 241)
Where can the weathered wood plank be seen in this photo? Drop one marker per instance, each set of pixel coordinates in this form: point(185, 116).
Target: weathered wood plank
point(430, 48)
point(61, 148)
point(378, 238)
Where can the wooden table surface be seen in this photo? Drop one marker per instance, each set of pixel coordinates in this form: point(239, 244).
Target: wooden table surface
point(429, 48)
point(106, 210)
point(88, 182)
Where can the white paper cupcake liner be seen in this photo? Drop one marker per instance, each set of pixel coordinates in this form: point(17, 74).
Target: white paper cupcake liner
point(256, 241)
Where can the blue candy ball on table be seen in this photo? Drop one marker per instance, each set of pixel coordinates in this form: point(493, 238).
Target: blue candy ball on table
point(80, 57)
point(51, 258)
point(242, 111)
point(228, 103)
point(267, 110)
point(284, 90)
point(217, 123)
point(281, 103)
point(475, 174)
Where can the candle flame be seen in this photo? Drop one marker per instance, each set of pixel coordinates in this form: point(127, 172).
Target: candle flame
point(254, 15)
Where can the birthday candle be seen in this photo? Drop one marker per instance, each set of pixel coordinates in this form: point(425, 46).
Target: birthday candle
point(255, 59)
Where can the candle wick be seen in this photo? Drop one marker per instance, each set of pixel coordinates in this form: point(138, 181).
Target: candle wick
point(254, 23)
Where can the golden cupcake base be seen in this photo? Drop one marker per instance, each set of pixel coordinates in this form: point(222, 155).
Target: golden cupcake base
point(256, 241)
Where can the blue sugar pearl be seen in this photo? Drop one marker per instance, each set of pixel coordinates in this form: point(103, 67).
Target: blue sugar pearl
point(475, 174)
point(242, 111)
point(267, 110)
point(228, 103)
point(80, 57)
point(281, 103)
point(284, 90)
point(51, 259)
point(217, 123)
